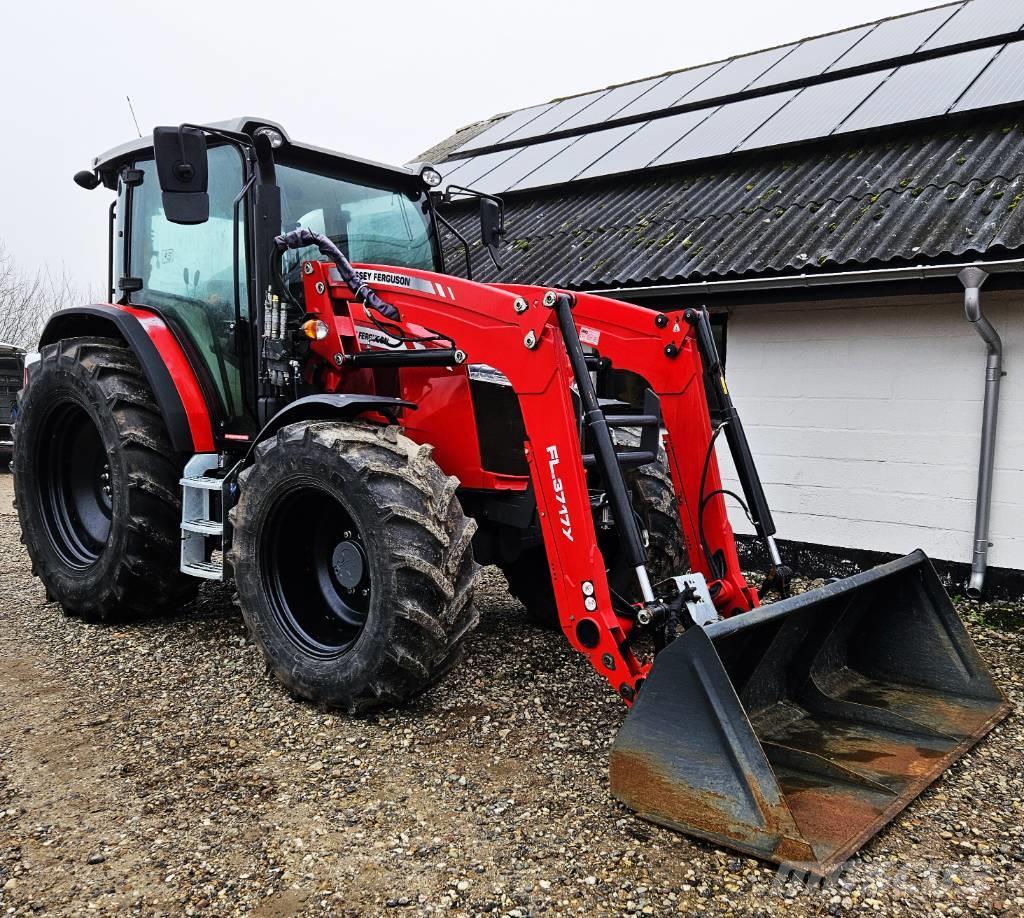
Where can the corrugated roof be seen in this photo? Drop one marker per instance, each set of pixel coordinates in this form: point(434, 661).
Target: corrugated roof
point(888, 201)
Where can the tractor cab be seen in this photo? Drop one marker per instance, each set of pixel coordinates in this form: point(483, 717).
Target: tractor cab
point(192, 228)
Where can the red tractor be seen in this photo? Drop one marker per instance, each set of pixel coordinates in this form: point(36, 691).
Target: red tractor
point(288, 389)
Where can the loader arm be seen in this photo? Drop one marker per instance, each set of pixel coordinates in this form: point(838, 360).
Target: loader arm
point(662, 349)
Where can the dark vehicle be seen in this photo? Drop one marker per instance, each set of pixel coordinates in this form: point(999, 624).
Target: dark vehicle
point(12, 371)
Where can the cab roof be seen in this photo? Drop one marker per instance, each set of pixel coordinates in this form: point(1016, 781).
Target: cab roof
point(107, 164)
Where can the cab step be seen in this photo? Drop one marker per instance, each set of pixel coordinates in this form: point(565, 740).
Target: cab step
point(202, 527)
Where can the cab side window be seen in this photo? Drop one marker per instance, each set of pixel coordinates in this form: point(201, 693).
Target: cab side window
point(187, 272)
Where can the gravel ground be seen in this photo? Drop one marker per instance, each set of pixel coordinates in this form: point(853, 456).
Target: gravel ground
point(156, 769)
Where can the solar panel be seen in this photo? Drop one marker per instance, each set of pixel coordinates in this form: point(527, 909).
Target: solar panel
point(816, 111)
point(609, 103)
point(466, 171)
point(1002, 81)
point(811, 57)
point(725, 129)
point(895, 37)
point(920, 90)
point(737, 74)
point(666, 91)
point(553, 117)
point(978, 19)
point(647, 142)
point(520, 164)
point(575, 158)
point(506, 126)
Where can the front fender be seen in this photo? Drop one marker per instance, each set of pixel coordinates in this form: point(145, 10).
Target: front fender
point(324, 407)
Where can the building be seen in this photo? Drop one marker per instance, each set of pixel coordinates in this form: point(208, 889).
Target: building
point(822, 199)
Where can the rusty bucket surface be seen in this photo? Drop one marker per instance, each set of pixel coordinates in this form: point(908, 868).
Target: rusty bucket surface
point(796, 731)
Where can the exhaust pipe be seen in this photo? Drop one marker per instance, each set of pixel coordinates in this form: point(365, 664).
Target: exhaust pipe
point(972, 280)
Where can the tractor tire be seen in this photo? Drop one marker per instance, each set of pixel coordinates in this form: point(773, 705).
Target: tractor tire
point(650, 486)
point(96, 484)
point(353, 564)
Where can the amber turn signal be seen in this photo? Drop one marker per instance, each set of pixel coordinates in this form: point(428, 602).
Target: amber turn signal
point(315, 330)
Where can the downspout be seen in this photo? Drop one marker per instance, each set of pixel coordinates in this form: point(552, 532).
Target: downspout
point(972, 280)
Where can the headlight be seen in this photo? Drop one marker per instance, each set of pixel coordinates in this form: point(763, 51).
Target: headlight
point(431, 177)
point(275, 137)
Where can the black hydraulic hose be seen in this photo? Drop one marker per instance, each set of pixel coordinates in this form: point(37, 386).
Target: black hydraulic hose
point(300, 238)
point(604, 448)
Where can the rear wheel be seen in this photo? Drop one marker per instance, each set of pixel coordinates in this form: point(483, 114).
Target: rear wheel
point(96, 484)
point(650, 486)
point(353, 564)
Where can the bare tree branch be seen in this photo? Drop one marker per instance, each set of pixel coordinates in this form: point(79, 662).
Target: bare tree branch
point(27, 300)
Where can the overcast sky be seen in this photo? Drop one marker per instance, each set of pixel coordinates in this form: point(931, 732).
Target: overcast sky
point(378, 79)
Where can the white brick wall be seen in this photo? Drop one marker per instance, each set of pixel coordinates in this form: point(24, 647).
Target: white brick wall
point(865, 421)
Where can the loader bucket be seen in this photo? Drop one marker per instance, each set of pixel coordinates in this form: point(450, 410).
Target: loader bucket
point(798, 730)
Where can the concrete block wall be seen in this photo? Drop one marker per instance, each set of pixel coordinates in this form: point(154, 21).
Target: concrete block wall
point(865, 421)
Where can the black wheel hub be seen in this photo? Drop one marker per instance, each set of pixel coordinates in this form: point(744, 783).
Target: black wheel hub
point(75, 484)
point(314, 566)
point(348, 564)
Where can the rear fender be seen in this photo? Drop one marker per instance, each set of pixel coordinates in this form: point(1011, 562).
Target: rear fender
point(167, 369)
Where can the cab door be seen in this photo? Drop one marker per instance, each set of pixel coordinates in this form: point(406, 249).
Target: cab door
point(187, 273)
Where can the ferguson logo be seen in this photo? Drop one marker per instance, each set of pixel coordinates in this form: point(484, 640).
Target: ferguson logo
point(556, 484)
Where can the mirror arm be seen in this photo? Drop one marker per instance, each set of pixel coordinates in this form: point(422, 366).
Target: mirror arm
point(472, 192)
point(238, 139)
point(462, 239)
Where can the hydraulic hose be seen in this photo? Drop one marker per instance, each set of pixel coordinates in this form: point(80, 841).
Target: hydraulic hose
point(300, 238)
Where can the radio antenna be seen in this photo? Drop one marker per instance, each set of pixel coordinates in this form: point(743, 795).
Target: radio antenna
point(136, 120)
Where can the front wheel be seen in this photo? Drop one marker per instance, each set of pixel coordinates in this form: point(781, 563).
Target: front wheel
point(353, 563)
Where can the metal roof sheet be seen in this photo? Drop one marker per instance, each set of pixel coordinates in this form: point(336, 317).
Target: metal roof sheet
point(893, 201)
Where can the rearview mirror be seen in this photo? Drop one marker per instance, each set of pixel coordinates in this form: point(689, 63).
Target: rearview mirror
point(181, 167)
point(492, 226)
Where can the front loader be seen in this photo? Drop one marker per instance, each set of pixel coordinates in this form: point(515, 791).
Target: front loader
point(289, 389)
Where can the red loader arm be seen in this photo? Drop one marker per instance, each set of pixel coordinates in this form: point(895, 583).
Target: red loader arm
point(662, 349)
point(512, 331)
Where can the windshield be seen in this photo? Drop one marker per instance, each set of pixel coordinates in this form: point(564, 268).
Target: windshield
point(369, 224)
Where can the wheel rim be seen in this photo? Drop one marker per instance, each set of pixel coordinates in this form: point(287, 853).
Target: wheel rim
point(313, 562)
point(76, 490)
